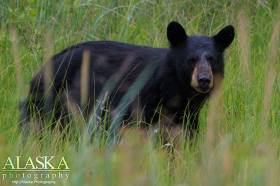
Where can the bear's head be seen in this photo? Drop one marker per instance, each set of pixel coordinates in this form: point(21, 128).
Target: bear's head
point(198, 60)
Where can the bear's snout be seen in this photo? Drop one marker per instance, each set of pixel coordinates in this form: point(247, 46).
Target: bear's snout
point(202, 77)
point(204, 82)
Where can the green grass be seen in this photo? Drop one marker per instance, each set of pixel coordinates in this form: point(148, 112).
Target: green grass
point(244, 149)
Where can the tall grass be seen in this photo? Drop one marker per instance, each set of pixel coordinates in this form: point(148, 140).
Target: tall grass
point(239, 139)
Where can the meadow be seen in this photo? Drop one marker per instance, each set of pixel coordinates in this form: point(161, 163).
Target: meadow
point(239, 136)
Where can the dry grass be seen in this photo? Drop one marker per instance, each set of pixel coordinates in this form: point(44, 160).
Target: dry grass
point(271, 72)
point(243, 31)
point(17, 63)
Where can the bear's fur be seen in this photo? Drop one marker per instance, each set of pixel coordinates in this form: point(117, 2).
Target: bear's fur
point(170, 82)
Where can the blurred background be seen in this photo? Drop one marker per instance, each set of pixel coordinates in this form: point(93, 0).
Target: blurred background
point(239, 139)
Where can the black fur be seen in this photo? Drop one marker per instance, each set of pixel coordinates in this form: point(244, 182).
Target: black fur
point(168, 86)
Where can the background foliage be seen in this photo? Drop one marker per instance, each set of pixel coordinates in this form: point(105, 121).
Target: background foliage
point(246, 144)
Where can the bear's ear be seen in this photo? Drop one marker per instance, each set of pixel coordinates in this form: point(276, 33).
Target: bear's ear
point(224, 38)
point(176, 34)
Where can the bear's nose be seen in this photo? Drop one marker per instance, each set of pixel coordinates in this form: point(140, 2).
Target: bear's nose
point(204, 82)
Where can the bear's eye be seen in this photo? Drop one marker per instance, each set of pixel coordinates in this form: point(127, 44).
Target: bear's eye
point(210, 58)
point(193, 60)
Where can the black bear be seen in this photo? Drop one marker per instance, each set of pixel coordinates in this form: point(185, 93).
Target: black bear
point(121, 78)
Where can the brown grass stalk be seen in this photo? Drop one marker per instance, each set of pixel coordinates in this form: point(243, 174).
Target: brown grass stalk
point(213, 118)
point(17, 63)
point(85, 78)
point(48, 71)
point(244, 44)
point(271, 73)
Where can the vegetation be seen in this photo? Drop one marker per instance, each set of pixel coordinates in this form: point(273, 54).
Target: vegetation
point(239, 139)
